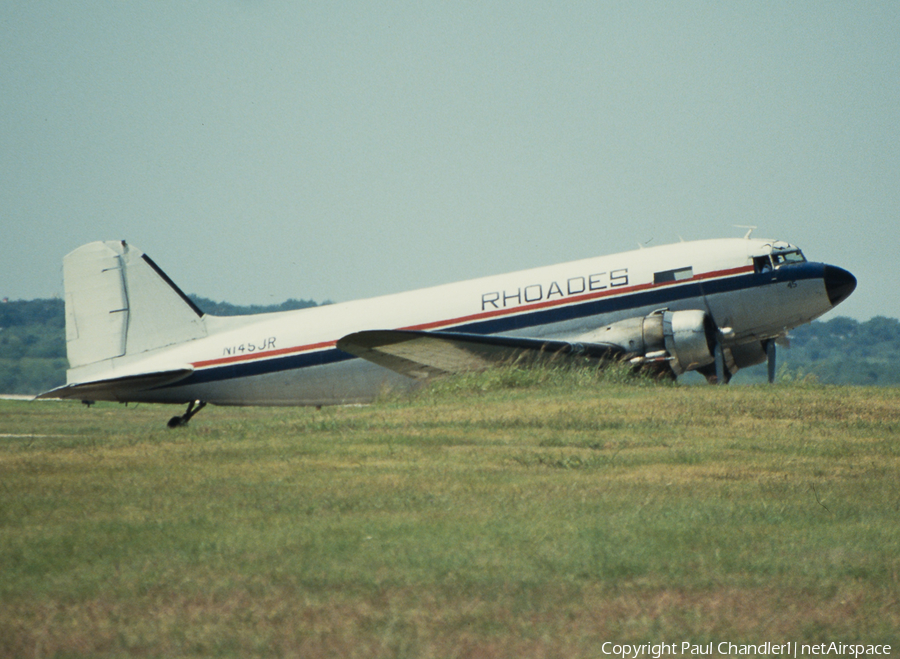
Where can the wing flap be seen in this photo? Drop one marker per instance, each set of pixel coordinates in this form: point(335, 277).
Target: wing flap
point(420, 355)
point(117, 388)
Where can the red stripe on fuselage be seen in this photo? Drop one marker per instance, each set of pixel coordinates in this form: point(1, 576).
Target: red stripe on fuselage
point(494, 313)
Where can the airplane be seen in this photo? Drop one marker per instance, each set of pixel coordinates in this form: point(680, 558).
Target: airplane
point(713, 306)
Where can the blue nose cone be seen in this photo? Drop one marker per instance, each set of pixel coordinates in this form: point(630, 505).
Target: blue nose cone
point(839, 283)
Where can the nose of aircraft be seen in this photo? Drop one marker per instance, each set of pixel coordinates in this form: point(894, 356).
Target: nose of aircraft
point(839, 283)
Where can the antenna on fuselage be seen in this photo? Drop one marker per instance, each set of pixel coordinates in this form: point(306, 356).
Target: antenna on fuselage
point(748, 227)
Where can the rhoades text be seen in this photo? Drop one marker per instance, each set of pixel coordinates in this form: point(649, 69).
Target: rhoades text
point(555, 290)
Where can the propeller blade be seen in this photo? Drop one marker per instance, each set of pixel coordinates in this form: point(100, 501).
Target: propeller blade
point(770, 357)
point(720, 364)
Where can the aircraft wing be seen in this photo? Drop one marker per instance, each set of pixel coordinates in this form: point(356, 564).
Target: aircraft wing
point(120, 387)
point(420, 355)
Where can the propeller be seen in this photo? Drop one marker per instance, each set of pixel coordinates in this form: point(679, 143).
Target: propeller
point(720, 363)
point(723, 375)
point(770, 359)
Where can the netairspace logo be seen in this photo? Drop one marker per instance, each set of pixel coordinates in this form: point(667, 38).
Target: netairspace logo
point(789, 649)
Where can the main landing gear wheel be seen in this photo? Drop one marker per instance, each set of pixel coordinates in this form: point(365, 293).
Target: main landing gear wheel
point(193, 407)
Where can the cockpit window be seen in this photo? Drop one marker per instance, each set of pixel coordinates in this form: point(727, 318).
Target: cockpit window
point(778, 259)
point(762, 263)
point(783, 258)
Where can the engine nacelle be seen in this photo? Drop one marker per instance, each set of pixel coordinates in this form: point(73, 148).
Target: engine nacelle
point(685, 339)
point(690, 338)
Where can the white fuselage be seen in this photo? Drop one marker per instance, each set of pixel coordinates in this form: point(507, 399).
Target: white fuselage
point(290, 358)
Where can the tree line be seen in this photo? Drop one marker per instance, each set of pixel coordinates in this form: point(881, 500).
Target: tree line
point(33, 339)
point(837, 351)
point(840, 351)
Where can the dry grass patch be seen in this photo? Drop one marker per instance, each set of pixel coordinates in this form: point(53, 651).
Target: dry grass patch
point(536, 520)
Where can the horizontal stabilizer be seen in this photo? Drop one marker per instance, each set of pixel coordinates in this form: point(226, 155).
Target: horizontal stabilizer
point(118, 388)
point(421, 355)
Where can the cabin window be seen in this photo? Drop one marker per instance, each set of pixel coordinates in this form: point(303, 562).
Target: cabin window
point(678, 274)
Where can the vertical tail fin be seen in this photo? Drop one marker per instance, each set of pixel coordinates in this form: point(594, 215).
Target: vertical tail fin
point(118, 303)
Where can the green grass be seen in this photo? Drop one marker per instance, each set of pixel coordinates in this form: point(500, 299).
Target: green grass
point(528, 514)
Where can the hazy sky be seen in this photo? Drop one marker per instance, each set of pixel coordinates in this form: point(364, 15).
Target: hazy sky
point(260, 150)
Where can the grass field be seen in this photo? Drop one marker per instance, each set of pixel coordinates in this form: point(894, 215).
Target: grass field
point(491, 516)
